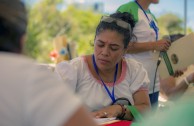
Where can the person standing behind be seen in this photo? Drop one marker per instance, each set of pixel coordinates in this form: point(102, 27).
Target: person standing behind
point(147, 47)
point(30, 96)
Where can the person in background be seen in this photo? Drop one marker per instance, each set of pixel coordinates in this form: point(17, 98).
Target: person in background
point(30, 96)
point(147, 47)
point(174, 87)
point(107, 81)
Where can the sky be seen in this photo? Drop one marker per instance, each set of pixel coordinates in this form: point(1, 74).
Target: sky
point(164, 6)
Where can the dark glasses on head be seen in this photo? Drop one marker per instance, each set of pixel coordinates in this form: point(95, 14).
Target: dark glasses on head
point(119, 22)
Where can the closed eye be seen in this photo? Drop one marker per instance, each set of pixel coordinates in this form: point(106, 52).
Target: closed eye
point(100, 43)
point(114, 47)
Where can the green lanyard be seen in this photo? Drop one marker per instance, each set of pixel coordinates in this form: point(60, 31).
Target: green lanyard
point(168, 64)
point(135, 113)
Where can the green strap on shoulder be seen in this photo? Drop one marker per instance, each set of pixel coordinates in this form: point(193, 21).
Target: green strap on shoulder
point(137, 116)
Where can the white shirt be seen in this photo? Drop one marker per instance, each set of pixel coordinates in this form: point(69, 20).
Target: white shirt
point(144, 33)
point(133, 78)
point(30, 96)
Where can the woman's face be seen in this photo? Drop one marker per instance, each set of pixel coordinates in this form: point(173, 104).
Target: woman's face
point(108, 49)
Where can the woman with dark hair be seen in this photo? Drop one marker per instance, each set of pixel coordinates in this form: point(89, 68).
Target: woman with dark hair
point(105, 80)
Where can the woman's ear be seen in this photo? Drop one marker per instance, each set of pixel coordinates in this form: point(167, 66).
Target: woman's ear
point(125, 51)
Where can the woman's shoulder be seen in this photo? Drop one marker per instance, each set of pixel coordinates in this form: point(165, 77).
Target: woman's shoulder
point(136, 75)
point(134, 66)
point(130, 7)
point(74, 63)
point(127, 6)
point(132, 62)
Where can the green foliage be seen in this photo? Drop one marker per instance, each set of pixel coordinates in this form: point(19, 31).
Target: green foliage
point(47, 21)
point(81, 28)
point(43, 26)
point(170, 24)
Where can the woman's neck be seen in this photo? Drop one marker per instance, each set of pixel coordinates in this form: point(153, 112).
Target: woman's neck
point(144, 4)
point(107, 72)
point(107, 75)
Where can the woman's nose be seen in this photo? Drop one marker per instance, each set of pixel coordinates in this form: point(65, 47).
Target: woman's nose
point(105, 51)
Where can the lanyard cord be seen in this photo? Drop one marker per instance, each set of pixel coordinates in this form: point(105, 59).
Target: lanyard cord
point(151, 22)
point(112, 96)
point(142, 10)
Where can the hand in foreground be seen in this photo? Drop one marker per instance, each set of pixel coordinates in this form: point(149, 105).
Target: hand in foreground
point(108, 112)
point(190, 78)
point(178, 73)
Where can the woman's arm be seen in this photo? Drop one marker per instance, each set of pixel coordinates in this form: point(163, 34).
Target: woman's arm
point(171, 90)
point(141, 102)
point(137, 47)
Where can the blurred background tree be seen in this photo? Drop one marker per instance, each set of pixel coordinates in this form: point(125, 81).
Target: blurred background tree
point(170, 24)
point(44, 23)
point(48, 19)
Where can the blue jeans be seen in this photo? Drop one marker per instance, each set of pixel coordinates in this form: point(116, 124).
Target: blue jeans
point(154, 98)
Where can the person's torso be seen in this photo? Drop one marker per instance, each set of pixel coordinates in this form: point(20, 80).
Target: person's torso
point(92, 91)
point(144, 33)
point(13, 75)
point(31, 95)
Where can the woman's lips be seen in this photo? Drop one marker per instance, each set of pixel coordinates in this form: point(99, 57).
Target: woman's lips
point(103, 61)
